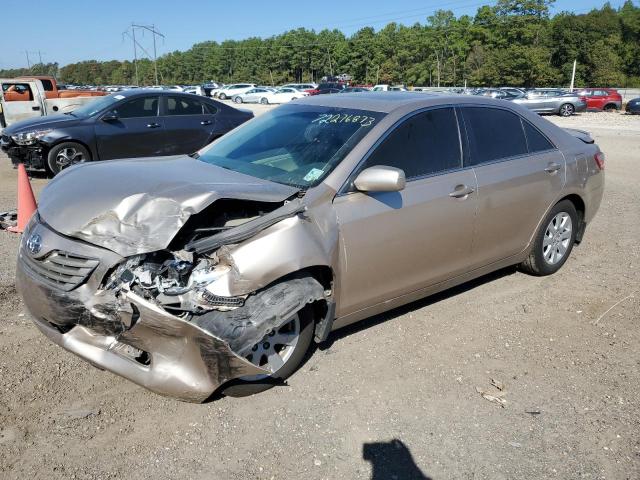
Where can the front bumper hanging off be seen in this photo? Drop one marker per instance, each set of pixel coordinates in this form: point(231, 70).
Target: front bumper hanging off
point(184, 361)
point(125, 334)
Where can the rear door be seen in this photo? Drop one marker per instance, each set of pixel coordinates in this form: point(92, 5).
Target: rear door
point(519, 174)
point(136, 130)
point(394, 243)
point(188, 124)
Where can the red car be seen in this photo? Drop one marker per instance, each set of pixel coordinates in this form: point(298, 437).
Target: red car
point(599, 99)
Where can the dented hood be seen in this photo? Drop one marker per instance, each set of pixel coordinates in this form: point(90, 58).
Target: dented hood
point(138, 205)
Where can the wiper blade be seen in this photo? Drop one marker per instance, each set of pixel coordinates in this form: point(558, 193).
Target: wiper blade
point(195, 155)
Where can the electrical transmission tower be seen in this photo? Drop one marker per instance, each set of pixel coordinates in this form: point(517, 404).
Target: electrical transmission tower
point(131, 33)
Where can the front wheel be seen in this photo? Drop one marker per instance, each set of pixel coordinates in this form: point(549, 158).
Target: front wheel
point(554, 241)
point(567, 110)
point(65, 155)
point(222, 96)
point(237, 99)
point(281, 351)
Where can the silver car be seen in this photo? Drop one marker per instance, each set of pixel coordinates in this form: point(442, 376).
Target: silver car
point(552, 101)
point(216, 271)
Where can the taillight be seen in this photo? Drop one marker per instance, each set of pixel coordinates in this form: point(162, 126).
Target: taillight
point(583, 99)
point(599, 158)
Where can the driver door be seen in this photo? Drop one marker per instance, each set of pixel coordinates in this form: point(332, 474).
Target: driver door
point(395, 243)
point(136, 130)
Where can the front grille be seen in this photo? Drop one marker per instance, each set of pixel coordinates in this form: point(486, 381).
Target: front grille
point(60, 269)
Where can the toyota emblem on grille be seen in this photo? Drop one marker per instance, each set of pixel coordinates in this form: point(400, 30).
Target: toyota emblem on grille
point(34, 244)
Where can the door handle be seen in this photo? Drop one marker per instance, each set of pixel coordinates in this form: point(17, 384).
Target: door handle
point(461, 191)
point(553, 168)
point(35, 108)
point(153, 125)
point(205, 122)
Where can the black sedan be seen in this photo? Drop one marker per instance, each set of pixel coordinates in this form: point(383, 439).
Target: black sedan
point(633, 106)
point(136, 123)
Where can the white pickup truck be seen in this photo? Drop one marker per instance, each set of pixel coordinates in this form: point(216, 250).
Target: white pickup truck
point(37, 104)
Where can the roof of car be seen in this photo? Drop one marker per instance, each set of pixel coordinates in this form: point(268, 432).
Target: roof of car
point(149, 91)
point(386, 102)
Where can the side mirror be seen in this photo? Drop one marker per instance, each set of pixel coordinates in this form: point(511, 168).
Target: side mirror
point(380, 179)
point(110, 117)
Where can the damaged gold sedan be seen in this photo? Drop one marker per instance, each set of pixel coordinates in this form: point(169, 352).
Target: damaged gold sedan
point(215, 272)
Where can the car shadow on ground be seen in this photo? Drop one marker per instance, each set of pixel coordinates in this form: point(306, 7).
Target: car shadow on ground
point(391, 460)
point(410, 307)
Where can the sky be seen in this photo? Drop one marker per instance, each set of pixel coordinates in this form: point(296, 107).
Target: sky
point(75, 30)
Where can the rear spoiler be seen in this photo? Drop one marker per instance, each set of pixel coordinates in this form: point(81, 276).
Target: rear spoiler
point(580, 134)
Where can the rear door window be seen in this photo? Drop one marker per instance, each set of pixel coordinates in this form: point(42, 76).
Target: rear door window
point(424, 144)
point(493, 134)
point(183, 106)
point(47, 84)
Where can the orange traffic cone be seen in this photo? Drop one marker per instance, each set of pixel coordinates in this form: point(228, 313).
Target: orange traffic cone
point(26, 201)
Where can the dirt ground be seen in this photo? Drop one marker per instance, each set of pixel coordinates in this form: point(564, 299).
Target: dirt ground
point(393, 397)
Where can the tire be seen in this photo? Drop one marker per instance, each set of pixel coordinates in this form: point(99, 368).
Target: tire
point(222, 96)
point(66, 154)
point(549, 242)
point(566, 110)
point(237, 99)
point(244, 388)
point(610, 108)
point(264, 101)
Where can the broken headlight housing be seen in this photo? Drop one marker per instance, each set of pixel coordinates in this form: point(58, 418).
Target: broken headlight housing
point(29, 138)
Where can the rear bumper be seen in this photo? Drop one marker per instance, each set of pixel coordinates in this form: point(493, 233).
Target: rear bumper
point(123, 332)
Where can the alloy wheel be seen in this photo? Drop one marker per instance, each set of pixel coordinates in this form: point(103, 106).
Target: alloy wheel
point(566, 110)
point(275, 348)
point(67, 157)
point(557, 238)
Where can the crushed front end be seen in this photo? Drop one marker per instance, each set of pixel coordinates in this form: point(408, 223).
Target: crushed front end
point(31, 154)
point(128, 316)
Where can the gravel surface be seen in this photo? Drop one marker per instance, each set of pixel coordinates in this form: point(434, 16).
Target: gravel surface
point(394, 396)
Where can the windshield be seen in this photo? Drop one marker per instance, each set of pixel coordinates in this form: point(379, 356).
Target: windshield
point(297, 145)
point(96, 106)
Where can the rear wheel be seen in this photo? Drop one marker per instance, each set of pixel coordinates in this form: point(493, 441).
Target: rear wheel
point(65, 155)
point(237, 99)
point(222, 96)
point(566, 110)
point(610, 108)
point(264, 101)
point(281, 351)
point(554, 240)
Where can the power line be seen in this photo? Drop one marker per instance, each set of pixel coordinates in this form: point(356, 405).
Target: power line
point(131, 33)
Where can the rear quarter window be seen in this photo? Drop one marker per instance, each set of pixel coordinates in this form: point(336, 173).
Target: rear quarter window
point(536, 141)
point(493, 134)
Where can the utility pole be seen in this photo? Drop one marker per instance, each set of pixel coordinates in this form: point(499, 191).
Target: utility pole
point(28, 62)
point(132, 36)
point(573, 75)
point(154, 32)
point(40, 57)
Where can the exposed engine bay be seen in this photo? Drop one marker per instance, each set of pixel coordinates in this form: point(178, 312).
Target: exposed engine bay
point(175, 280)
point(181, 281)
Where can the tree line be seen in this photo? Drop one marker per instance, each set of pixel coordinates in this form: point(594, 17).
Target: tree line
point(513, 42)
